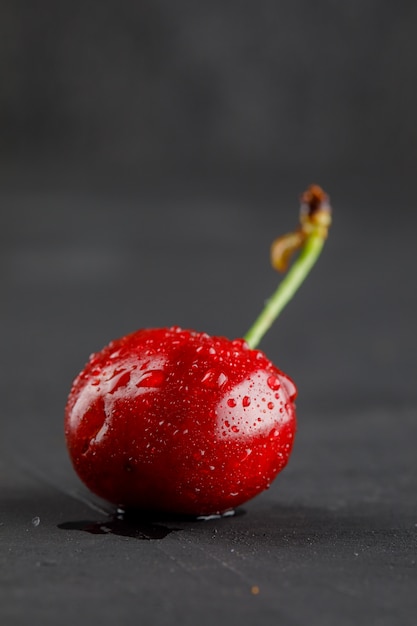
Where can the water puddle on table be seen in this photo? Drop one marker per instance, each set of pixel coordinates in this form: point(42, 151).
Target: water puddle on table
point(137, 526)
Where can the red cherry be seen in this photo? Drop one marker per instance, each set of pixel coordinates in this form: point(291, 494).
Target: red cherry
point(178, 421)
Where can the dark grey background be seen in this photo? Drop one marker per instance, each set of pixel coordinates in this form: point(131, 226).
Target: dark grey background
point(154, 87)
point(149, 153)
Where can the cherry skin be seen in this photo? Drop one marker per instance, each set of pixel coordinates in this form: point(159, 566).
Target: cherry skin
point(178, 421)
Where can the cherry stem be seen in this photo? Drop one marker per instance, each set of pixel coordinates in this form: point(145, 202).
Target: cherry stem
point(309, 238)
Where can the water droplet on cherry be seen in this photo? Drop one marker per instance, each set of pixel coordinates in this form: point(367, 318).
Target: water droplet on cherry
point(222, 379)
point(213, 378)
point(245, 401)
point(273, 383)
point(121, 382)
point(152, 378)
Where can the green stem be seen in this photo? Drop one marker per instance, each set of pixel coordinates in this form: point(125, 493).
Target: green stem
point(286, 289)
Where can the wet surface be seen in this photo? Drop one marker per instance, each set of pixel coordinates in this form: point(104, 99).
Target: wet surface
point(116, 526)
point(140, 526)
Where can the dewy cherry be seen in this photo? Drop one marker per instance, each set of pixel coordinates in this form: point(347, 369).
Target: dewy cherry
point(178, 421)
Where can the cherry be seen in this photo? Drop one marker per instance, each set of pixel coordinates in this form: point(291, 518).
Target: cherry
point(178, 421)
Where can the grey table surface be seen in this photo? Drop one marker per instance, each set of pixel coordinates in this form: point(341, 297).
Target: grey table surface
point(334, 540)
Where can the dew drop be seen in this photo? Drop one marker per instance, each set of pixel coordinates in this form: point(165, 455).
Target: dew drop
point(270, 405)
point(273, 383)
point(290, 388)
point(231, 402)
point(152, 378)
point(222, 379)
point(210, 378)
point(245, 401)
point(213, 378)
point(121, 382)
point(235, 429)
point(241, 344)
